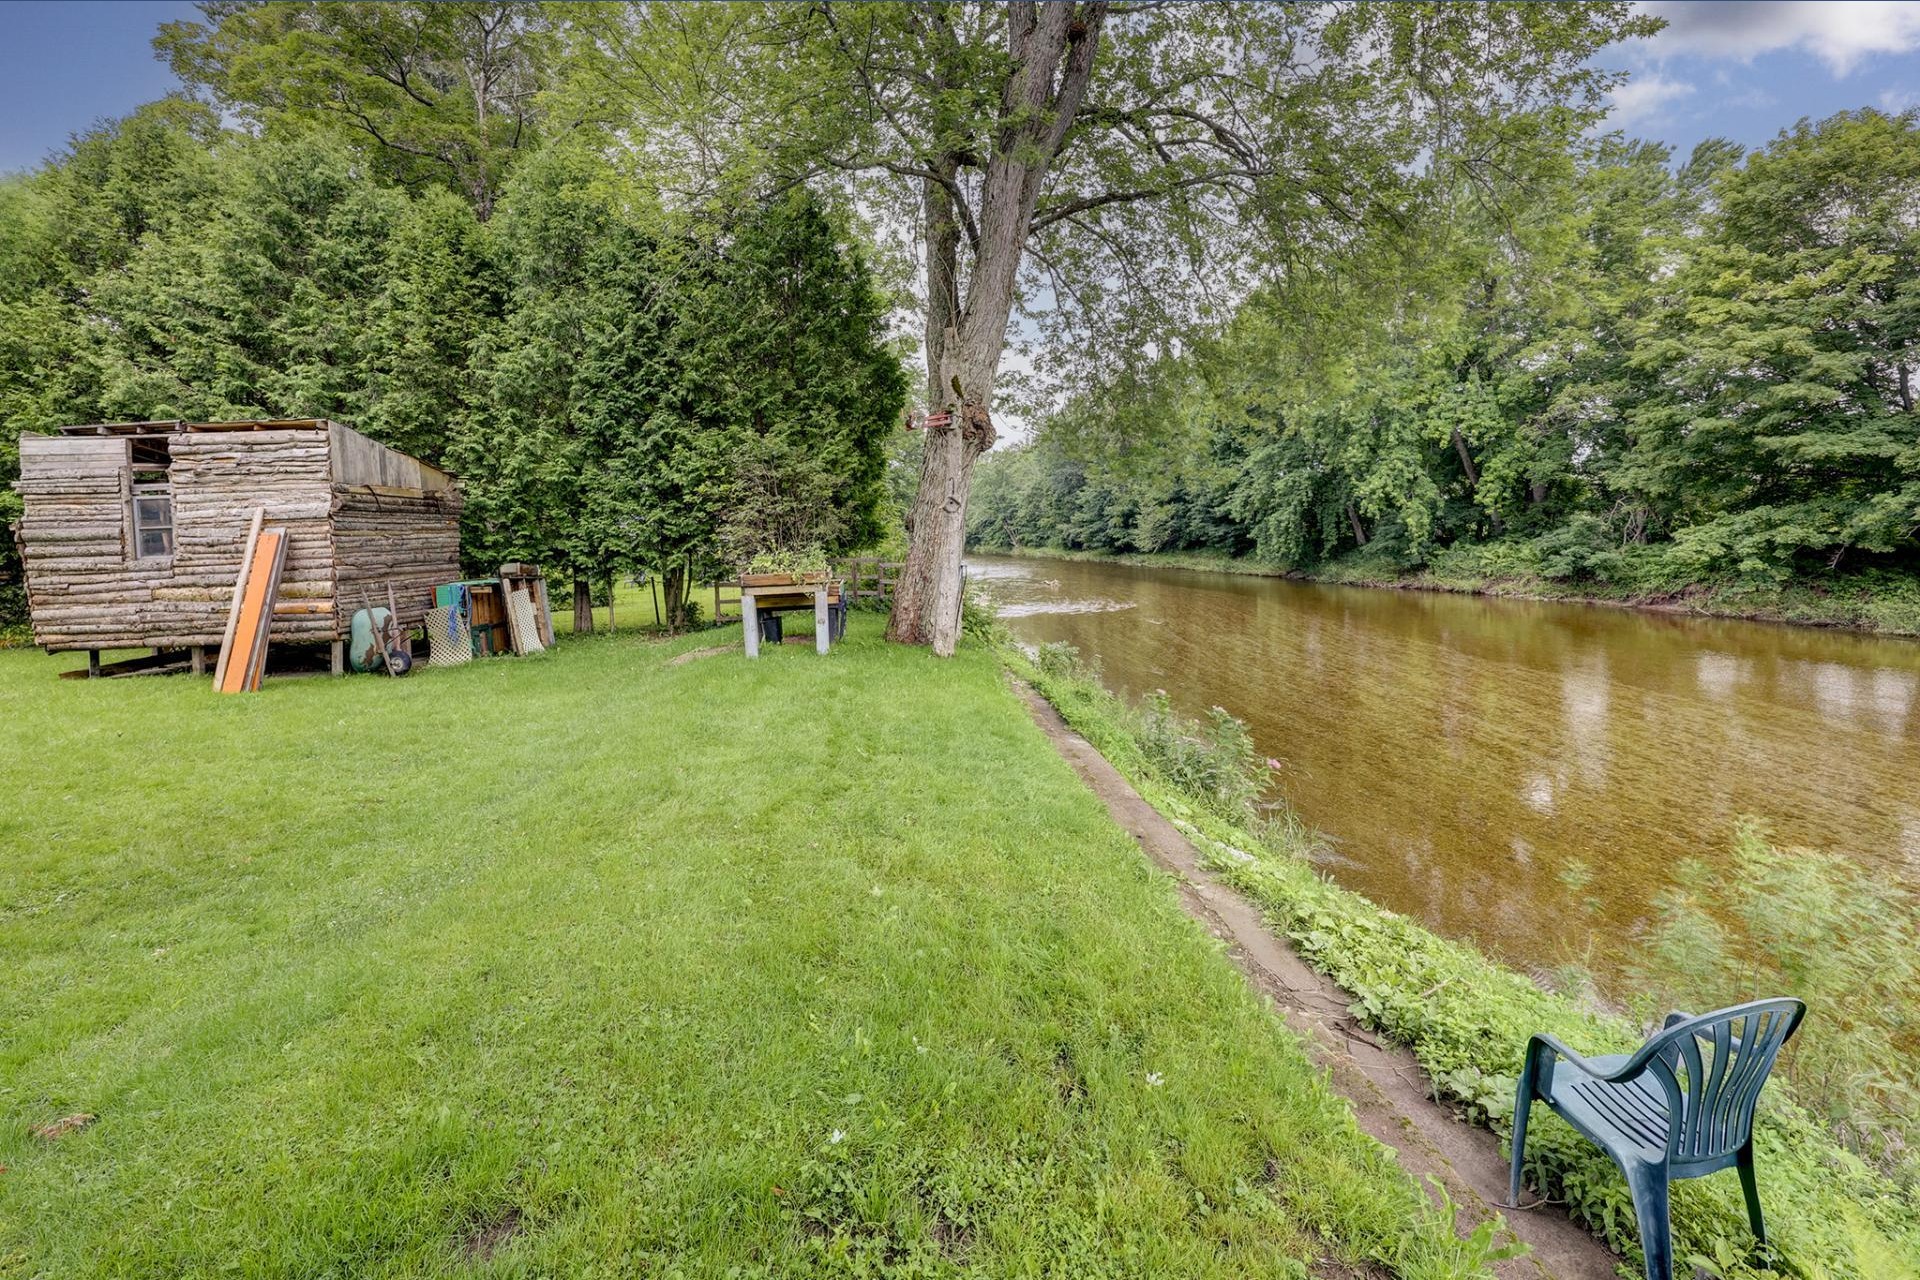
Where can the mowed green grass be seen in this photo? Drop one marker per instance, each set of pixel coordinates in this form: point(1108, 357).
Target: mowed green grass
point(587, 964)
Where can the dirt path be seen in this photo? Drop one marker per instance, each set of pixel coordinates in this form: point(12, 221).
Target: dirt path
point(1382, 1081)
point(694, 655)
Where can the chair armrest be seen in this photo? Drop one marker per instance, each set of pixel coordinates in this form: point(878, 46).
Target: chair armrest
point(1549, 1047)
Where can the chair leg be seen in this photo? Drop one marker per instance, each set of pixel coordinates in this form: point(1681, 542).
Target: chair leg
point(1649, 1186)
point(1748, 1184)
point(1522, 1104)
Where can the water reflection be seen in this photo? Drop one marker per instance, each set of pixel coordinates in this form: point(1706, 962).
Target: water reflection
point(1463, 752)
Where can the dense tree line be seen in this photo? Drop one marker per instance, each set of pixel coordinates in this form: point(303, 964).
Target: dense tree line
point(1654, 373)
point(364, 217)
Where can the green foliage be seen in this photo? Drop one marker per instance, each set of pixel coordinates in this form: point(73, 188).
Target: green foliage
point(432, 94)
point(1212, 760)
point(610, 383)
point(1651, 379)
point(978, 620)
point(1468, 1020)
point(669, 396)
point(797, 559)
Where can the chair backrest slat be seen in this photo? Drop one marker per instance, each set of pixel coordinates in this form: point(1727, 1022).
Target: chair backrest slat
point(1712, 1073)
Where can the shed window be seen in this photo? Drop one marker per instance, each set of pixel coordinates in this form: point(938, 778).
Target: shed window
point(152, 520)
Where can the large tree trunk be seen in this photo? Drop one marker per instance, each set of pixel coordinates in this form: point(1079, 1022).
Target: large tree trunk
point(582, 608)
point(1052, 47)
point(908, 622)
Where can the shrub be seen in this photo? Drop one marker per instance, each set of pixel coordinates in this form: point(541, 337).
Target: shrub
point(978, 620)
point(1211, 760)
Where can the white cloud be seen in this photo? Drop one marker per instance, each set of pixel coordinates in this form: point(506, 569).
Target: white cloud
point(1894, 101)
point(1645, 96)
point(1838, 32)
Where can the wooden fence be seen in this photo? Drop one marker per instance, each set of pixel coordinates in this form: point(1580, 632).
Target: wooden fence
point(868, 579)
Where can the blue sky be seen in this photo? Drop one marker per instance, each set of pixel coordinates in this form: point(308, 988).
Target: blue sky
point(1743, 69)
point(64, 66)
point(1746, 69)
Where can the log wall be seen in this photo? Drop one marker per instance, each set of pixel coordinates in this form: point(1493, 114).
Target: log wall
point(218, 478)
point(405, 538)
point(85, 588)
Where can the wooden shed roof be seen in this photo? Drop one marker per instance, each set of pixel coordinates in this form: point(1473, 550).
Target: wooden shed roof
point(357, 459)
point(175, 426)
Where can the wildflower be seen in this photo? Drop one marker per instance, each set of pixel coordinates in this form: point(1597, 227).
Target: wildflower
point(837, 1137)
point(1154, 1080)
point(875, 891)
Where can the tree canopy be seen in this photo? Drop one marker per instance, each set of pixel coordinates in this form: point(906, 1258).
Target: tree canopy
point(1126, 168)
point(1298, 280)
point(610, 380)
point(1653, 374)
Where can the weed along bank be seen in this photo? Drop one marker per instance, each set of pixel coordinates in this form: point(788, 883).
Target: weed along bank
point(131, 534)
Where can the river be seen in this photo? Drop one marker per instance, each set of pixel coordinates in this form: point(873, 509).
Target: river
point(1462, 753)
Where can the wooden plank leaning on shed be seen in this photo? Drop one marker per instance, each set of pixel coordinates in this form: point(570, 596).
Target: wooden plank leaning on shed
point(239, 590)
point(254, 614)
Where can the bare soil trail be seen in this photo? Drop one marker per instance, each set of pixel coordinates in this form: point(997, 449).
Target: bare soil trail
point(1383, 1081)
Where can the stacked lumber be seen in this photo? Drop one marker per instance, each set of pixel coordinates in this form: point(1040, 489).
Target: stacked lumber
point(407, 539)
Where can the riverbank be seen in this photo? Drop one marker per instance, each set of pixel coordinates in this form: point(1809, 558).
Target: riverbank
point(1468, 1020)
point(1880, 605)
point(623, 959)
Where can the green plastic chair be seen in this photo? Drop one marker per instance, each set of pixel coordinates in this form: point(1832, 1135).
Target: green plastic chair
point(1681, 1106)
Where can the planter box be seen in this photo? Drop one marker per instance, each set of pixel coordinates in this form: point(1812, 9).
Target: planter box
point(760, 580)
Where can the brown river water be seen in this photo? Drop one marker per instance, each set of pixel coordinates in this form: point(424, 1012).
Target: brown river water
point(1461, 752)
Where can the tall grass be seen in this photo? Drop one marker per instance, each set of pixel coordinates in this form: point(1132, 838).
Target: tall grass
point(1817, 926)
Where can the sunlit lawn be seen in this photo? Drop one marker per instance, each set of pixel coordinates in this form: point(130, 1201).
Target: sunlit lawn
point(587, 964)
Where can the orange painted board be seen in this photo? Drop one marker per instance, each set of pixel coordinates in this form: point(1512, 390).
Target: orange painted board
point(239, 589)
point(253, 612)
point(259, 668)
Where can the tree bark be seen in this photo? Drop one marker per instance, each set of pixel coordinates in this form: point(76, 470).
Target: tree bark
point(1353, 521)
point(1473, 476)
point(1052, 47)
point(914, 588)
point(674, 588)
point(582, 608)
point(1466, 459)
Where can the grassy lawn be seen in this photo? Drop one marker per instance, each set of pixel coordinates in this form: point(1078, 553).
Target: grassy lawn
point(589, 964)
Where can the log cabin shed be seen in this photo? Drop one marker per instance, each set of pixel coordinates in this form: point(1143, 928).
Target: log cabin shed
point(132, 533)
